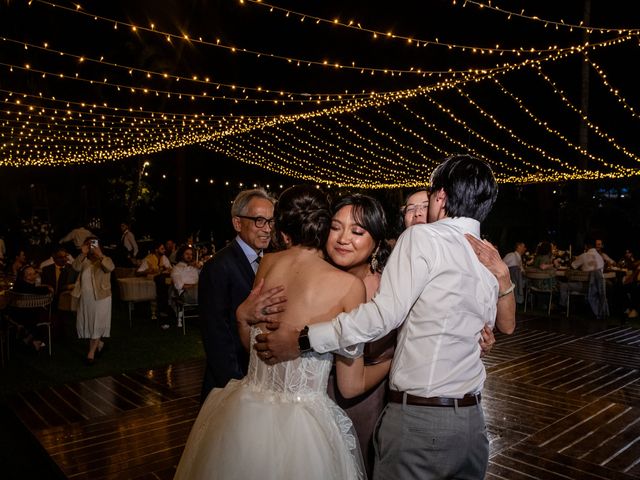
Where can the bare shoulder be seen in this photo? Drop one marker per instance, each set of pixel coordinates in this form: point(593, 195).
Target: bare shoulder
point(344, 285)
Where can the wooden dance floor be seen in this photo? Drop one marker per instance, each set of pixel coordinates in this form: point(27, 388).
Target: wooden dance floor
point(559, 405)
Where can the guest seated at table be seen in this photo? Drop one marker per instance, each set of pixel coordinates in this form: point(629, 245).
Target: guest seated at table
point(543, 260)
point(28, 318)
point(589, 261)
point(631, 284)
point(185, 277)
point(628, 261)
point(171, 251)
point(156, 266)
point(3, 252)
point(599, 246)
point(19, 261)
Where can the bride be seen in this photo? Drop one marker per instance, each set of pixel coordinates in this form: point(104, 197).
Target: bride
point(278, 422)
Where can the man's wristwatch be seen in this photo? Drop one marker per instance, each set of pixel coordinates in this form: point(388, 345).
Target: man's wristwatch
point(303, 340)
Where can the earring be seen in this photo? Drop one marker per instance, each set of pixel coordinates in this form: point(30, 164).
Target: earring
point(373, 264)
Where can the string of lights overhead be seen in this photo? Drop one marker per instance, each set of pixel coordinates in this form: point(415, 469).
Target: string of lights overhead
point(557, 24)
point(66, 101)
point(412, 41)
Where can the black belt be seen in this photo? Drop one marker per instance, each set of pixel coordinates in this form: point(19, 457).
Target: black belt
point(468, 400)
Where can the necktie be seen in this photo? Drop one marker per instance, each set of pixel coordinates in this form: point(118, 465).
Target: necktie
point(256, 262)
point(58, 272)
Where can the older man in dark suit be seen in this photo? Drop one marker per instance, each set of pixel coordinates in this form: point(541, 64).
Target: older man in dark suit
point(60, 277)
point(225, 281)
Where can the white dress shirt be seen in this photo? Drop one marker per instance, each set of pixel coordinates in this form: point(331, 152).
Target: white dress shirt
point(435, 288)
point(589, 261)
point(252, 256)
point(129, 242)
point(513, 259)
point(77, 236)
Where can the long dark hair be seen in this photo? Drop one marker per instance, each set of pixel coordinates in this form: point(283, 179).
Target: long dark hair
point(369, 214)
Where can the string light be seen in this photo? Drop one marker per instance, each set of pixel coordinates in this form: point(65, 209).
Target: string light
point(408, 40)
point(546, 22)
point(545, 125)
point(332, 65)
point(614, 91)
point(592, 127)
point(150, 74)
point(346, 141)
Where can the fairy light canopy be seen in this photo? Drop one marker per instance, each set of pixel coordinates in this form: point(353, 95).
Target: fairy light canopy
point(340, 93)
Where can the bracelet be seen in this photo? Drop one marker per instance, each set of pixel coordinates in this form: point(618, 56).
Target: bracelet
point(507, 291)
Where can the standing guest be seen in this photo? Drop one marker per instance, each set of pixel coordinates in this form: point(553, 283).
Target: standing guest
point(437, 291)
point(50, 261)
point(56, 271)
point(225, 281)
point(61, 277)
point(415, 208)
point(357, 244)
point(128, 244)
point(516, 269)
point(78, 235)
point(93, 289)
point(280, 417)
point(184, 276)
point(156, 266)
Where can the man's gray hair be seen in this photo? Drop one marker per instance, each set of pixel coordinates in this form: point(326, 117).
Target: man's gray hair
point(241, 203)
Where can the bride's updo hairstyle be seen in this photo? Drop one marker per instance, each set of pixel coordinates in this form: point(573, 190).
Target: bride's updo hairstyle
point(303, 213)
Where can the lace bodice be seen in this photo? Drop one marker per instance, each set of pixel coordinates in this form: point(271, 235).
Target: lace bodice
point(305, 376)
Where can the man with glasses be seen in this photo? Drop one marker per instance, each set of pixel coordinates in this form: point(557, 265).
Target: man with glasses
point(225, 281)
point(415, 208)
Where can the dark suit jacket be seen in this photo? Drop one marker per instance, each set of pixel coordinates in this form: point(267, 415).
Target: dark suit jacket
point(67, 276)
point(225, 282)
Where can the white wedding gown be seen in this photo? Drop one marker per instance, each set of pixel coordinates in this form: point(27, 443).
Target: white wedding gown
point(276, 423)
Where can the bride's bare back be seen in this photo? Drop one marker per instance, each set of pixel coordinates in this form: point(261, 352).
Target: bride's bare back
point(316, 291)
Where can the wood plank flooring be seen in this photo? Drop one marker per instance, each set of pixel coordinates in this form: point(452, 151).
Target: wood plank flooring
point(559, 405)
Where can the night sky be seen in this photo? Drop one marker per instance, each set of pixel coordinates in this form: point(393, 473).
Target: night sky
point(239, 92)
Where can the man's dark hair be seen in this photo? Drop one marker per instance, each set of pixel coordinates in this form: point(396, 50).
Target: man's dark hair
point(181, 251)
point(469, 184)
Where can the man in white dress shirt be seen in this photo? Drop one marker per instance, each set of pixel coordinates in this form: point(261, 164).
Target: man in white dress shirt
point(589, 261)
point(516, 269)
point(437, 292)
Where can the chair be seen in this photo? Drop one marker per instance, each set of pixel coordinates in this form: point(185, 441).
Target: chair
point(184, 309)
point(137, 289)
point(576, 277)
point(28, 300)
point(517, 278)
point(536, 284)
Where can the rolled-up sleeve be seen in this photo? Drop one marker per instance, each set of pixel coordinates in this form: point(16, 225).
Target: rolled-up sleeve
point(403, 280)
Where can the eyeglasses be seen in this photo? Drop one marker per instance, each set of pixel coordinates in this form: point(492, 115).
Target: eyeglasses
point(260, 221)
point(413, 209)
